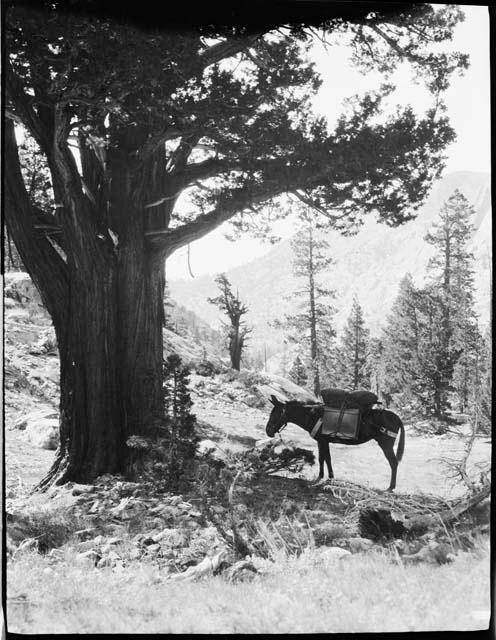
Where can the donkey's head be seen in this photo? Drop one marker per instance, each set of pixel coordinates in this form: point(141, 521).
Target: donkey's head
point(277, 418)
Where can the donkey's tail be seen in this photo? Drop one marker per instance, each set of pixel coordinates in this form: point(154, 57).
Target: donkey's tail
point(401, 443)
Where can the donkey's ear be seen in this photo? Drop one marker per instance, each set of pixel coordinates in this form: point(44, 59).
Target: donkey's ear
point(274, 400)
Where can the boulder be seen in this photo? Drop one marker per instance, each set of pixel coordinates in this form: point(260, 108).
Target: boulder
point(19, 286)
point(41, 430)
point(23, 421)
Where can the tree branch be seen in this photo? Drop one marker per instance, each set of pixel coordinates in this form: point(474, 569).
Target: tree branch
point(45, 266)
point(227, 49)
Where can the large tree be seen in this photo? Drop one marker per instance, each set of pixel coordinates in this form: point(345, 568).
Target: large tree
point(130, 118)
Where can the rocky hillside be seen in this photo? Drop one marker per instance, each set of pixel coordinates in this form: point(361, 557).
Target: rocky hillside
point(369, 265)
point(231, 407)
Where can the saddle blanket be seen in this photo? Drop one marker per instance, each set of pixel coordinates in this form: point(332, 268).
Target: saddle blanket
point(342, 423)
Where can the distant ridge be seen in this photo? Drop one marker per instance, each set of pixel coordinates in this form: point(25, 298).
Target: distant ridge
point(368, 265)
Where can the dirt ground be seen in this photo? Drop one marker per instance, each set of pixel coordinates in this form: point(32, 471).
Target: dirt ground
point(421, 470)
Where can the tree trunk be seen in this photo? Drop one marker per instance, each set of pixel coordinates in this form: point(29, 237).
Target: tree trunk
point(313, 338)
point(91, 422)
point(111, 368)
point(106, 304)
point(235, 347)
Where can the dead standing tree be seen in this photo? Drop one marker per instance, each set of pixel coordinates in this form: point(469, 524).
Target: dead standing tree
point(237, 331)
point(131, 115)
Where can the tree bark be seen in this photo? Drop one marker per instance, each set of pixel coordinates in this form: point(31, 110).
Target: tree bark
point(107, 309)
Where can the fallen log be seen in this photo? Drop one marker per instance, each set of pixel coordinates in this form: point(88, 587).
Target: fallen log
point(377, 521)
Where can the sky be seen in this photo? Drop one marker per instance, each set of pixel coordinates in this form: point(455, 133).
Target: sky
point(468, 102)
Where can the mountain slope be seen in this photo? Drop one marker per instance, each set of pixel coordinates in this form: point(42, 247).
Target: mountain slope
point(369, 265)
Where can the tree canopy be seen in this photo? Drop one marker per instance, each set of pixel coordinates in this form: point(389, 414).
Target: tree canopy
point(224, 112)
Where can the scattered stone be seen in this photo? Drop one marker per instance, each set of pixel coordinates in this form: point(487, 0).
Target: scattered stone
point(153, 548)
point(90, 557)
point(82, 489)
point(109, 560)
point(84, 534)
point(27, 545)
point(333, 553)
point(434, 553)
point(358, 544)
point(241, 571)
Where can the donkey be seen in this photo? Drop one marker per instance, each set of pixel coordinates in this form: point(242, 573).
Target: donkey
point(380, 425)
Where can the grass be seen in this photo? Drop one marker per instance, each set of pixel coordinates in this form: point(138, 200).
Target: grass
point(297, 595)
point(50, 526)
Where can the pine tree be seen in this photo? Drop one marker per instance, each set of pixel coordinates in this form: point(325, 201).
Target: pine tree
point(432, 337)
point(312, 326)
point(451, 277)
point(377, 370)
point(483, 390)
point(400, 341)
point(298, 373)
point(237, 331)
point(353, 351)
point(180, 421)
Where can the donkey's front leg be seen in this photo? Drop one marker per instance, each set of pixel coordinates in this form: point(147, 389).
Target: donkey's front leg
point(320, 477)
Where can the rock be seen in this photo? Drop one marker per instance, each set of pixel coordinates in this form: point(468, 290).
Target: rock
point(153, 549)
point(241, 571)
point(27, 545)
point(147, 541)
point(185, 506)
point(253, 401)
point(109, 560)
point(81, 489)
point(84, 534)
point(170, 538)
point(19, 286)
point(110, 543)
point(333, 553)
point(434, 553)
point(27, 419)
point(91, 557)
point(43, 433)
point(205, 446)
point(358, 545)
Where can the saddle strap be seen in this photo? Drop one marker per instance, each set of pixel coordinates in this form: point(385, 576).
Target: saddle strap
point(391, 434)
point(316, 427)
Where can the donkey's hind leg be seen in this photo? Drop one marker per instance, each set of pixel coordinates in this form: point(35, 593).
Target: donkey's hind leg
point(323, 446)
point(327, 457)
point(393, 463)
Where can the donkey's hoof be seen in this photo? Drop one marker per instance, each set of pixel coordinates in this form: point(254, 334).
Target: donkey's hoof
point(317, 482)
point(390, 489)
